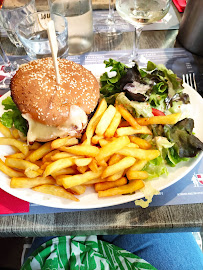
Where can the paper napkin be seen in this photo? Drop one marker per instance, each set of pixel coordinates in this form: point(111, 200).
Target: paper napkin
point(180, 5)
point(10, 204)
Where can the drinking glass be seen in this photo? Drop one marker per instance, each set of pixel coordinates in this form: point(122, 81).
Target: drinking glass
point(139, 13)
point(80, 23)
point(32, 32)
point(13, 12)
point(109, 24)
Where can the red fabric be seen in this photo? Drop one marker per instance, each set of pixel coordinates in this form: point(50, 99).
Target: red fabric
point(180, 5)
point(10, 204)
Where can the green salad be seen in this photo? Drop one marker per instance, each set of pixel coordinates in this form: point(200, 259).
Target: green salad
point(153, 91)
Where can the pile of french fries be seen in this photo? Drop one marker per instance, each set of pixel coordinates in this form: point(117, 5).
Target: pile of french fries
point(109, 156)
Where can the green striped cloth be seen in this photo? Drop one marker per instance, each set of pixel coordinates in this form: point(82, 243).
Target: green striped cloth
point(83, 253)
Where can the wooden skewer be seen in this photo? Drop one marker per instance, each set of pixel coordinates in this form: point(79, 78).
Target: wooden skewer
point(54, 47)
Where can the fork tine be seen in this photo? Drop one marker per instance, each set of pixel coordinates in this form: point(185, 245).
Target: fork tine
point(190, 80)
point(183, 78)
point(194, 81)
point(187, 79)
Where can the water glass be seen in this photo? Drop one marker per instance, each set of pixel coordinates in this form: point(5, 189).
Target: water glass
point(80, 24)
point(13, 12)
point(32, 32)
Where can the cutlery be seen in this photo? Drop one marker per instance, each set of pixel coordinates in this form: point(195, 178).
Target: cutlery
point(190, 80)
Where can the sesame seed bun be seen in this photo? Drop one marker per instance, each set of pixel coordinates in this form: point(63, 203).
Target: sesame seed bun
point(35, 91)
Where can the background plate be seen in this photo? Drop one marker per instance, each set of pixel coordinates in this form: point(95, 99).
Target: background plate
point(90, 199)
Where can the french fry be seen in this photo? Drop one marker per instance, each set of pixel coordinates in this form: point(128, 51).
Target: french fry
point(24, 182)
point(107, 185)
point(13, 142)
point(114, 159)
point(56, 191)
point(34, 146)
point(38, 163)
point(123, 123)
point(115, 176)
point(128, 117)
point(83, 150)
point(33, 174)
point(133, 145)
point(60, 155)
point(5, 131)
point(15, 133)
point(45, 164)
point(103, 142)
point(84, 138)
point(94, 181)
point(96, 138)
point(59, 179)
point(132, 175)
point(133, 186)
point(48, 156)
point(119, 166)
point(58, 165)
point(113, 125)
point(93, 166)
point(67, 141)
point(21, 164)
point(105, 120)
point(82, 169)
point(112, 147)
point(8, 171)
point(94, 121)
point(16, 155)
point(78, 190)
point(125, 131)
point(66, 149)
point(83, 161)
point(103, 163)
point(79, 179)
point(140, 142)
point(138, 165)
point(170, 119)
point(69, 170)
point(139, 153)
point(29, 153)
point(40, 152)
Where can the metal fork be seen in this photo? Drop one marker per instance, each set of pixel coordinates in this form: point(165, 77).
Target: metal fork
point(190, 79)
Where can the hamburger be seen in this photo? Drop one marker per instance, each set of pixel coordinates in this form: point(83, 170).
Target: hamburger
point(54, 110)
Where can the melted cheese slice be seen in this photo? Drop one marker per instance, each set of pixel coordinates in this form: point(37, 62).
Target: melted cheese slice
point(76, 122)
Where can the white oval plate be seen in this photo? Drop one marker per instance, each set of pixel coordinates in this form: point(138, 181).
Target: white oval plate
point(90, 199)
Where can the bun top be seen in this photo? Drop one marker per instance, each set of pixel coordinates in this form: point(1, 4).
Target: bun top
point(35, 91)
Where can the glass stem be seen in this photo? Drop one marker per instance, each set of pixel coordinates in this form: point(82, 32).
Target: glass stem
point(138, 31)
point(111, 11)
point(4, 56)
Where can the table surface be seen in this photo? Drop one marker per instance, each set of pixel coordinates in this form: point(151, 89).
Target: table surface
point(119, 221)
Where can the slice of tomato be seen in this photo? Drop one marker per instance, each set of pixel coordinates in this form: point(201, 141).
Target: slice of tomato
point(157, 112)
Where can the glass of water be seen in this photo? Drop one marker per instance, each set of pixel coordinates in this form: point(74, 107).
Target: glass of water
point(139, 13)
point(80, 23)
point(11, 13)
point(32, 32)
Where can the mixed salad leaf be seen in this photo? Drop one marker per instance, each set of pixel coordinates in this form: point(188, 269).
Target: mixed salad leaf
point(154, 84)
point(154, 90)
point(12, 116)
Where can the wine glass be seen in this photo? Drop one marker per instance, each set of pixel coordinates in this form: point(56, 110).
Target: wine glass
point(109, 24)
point(7, 69)
point(139, 13)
